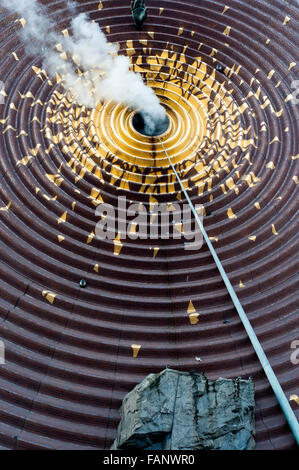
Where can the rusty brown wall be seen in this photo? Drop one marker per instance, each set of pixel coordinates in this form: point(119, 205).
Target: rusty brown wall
point(69, 354)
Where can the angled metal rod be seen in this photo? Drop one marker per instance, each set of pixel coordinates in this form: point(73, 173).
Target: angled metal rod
point(279, 393)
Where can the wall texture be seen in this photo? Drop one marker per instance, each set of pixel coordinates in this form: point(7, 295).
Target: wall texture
point(72, 354)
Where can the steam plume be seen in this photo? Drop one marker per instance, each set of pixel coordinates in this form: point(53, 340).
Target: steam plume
point(89, 65)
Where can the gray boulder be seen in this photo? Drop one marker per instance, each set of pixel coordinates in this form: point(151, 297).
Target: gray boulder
point(186, 411)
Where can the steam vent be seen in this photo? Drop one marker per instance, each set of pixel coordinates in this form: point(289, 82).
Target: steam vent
point(225, 72)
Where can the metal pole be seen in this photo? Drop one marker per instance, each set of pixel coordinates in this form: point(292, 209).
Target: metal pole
point(279, 393)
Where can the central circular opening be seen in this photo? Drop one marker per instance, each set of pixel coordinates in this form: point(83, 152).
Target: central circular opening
point(155, 128)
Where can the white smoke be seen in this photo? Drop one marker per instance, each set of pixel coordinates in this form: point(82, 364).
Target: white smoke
point(88, 64)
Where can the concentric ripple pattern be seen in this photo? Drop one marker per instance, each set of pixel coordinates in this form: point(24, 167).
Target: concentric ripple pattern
point(72, 354)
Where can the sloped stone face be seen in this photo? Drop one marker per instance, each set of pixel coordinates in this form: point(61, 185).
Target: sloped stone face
point(185, 411)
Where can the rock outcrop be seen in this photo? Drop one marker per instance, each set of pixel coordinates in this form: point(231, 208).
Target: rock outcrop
point(186, 411)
